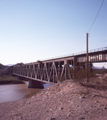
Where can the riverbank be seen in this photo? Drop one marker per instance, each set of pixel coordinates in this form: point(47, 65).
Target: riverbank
point(61, 101)
point(7, 79)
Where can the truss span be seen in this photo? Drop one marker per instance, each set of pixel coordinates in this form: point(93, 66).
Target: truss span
point(58, 69)
point(46, 71)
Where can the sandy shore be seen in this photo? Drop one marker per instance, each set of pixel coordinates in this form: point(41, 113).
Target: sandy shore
point(61, 101)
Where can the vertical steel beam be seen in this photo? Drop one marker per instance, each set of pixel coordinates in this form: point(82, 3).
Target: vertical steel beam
point(65, 64)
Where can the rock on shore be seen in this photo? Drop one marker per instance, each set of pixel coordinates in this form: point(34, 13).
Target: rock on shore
point(61, 101)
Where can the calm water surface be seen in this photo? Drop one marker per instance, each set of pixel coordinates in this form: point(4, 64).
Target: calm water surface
point(16, 92)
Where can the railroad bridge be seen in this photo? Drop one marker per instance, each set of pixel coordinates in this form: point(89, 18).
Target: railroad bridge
point(56, 69)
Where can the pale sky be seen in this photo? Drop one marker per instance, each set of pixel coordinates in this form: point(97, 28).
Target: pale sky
point(32, 30)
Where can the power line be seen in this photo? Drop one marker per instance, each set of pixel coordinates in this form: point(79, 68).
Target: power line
point(96, 16)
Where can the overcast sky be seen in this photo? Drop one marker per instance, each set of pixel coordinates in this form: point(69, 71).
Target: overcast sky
point(32, 30)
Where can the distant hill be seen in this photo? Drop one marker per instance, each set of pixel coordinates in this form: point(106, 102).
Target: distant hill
point(4, 69)
point(7, 69)
point(1, 66)
point(14, 64)
point(19, 64)
point(10, 65)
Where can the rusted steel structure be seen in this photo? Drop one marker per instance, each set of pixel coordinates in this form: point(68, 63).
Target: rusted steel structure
point(56, 69)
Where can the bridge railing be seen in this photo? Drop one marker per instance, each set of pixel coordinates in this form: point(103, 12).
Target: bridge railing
point(90, 51)
point(83, 52)
point(98, 49)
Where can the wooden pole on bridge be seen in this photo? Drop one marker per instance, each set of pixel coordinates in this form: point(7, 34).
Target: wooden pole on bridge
point(87, 54)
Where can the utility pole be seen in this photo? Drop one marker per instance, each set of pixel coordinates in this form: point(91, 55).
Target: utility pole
point(87, 53)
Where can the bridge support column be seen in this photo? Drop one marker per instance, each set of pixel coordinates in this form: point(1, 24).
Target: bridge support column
point(35, 84)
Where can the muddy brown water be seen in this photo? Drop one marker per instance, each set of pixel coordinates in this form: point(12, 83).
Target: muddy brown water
point(14, 92)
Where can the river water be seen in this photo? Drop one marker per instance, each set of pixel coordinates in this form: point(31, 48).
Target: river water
point(15, 92)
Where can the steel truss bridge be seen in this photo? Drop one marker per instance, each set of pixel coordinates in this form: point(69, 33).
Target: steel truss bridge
point(56, 69)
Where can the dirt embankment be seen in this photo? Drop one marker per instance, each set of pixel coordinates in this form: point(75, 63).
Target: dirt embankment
point(61, 101)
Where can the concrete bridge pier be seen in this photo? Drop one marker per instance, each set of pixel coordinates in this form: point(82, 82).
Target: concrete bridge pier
point(35, 84)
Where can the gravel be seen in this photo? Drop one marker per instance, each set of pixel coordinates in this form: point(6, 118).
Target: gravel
point(61, 101)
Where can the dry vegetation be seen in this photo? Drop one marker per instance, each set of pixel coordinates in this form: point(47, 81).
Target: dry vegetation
point(96, 78)
point(8, 79)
